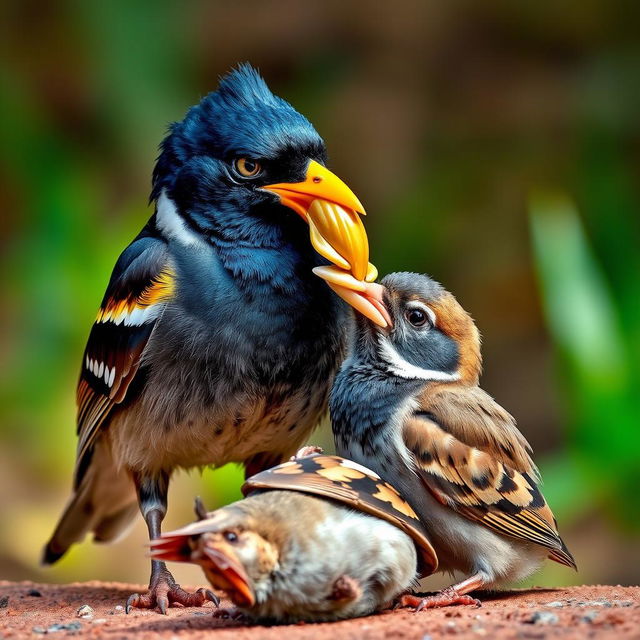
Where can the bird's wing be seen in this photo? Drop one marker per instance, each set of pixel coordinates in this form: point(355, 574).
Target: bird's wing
point(352, 484)
point(472, 416)
point(467, 477)
point(141, 285)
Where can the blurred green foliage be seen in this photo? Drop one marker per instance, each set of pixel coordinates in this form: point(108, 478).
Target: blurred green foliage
point(598, 358)
point(443, 117)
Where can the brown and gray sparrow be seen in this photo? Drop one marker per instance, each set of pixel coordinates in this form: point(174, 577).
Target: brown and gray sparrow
point(407, 404)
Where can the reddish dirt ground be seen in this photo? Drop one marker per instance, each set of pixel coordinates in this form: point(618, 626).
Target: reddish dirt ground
point(29, 610)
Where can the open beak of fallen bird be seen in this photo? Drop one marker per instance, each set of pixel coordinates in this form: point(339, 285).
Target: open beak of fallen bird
point(218, 561)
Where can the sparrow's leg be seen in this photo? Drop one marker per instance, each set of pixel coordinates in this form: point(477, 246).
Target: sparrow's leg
point(163, 589)
point(447, 597)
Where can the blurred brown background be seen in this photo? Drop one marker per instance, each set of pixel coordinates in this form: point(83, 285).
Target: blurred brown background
point(495, 146)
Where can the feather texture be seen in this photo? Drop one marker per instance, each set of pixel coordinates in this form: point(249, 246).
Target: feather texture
point(469, 471)
point(141, 285)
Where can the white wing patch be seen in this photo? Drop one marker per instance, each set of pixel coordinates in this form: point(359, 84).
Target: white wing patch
point(100, 370)
point(134, 318)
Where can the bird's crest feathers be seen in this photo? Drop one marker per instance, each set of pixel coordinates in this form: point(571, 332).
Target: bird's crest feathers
point(247, 87)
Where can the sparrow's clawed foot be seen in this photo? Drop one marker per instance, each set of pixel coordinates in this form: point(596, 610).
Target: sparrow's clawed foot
point(445, 598)
point(164, 591)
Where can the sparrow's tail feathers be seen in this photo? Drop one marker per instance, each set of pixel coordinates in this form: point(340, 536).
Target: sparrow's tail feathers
point(104, 502)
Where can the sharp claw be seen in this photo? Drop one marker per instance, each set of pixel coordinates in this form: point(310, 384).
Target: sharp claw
point(162, 602)
point(132, 601)
point(209, 595)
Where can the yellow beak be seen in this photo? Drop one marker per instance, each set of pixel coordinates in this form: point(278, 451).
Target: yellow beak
point(333, 213)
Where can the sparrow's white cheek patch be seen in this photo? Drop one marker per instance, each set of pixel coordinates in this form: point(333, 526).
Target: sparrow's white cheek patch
point(398, 366)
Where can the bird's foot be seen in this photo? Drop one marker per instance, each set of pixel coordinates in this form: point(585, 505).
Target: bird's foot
point(305, 451)
point(230, 613)
point(164, 591)
point(445, 598)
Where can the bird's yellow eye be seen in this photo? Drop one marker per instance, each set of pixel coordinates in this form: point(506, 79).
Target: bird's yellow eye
point(247, 167)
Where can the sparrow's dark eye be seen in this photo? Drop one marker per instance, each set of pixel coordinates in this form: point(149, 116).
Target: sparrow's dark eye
point(230, 536)
point(418, 317)
point(246, 167)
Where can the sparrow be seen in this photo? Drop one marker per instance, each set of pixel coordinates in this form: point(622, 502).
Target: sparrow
point(317, 539)
point(407, 404)
point(214, 342)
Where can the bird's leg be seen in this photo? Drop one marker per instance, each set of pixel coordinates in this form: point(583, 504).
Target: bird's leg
point(163, 589)
point(455, 594)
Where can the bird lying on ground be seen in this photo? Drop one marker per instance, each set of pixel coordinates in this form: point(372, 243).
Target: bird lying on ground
point(291, 551)
point(407, 404)
point(214, 341)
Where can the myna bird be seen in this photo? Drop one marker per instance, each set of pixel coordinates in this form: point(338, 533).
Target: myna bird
point(319, 538)
point(214, 342)
point(407, 404)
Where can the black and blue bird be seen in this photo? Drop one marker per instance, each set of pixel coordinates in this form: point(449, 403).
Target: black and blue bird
point(214, 342)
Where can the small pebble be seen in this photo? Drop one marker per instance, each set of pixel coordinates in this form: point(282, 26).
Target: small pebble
point(544, 617)
point(589, 616)
point(623, 603)
point(118, 608)
point(555, 603)
point(85, 611)
point(34, 593)
point(596, 603)
point(39, 630)
point(70, 626)
point(99, 621)
point(4, 602)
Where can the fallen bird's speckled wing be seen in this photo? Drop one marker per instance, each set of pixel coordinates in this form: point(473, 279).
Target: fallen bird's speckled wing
point(353, 485)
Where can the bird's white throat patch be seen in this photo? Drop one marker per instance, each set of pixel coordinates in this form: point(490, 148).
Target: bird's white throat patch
point(169, 221)
point(398, 366)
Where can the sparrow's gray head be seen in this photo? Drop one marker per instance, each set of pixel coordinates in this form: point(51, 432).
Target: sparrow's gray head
point(431, 337)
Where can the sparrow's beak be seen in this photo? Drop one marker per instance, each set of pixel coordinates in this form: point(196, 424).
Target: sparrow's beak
point(225, 572)
point(333, 214)
point(220, 565)
point(365, 297)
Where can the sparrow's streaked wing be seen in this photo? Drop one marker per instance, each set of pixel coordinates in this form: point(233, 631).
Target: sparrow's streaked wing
point(472, 416)
point(481, 486)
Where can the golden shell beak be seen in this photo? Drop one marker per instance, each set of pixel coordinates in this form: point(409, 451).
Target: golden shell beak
point(333, 213)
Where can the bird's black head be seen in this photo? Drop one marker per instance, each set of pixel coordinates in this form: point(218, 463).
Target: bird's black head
point(239, 138)
point(429, 336)
point(240, 162)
